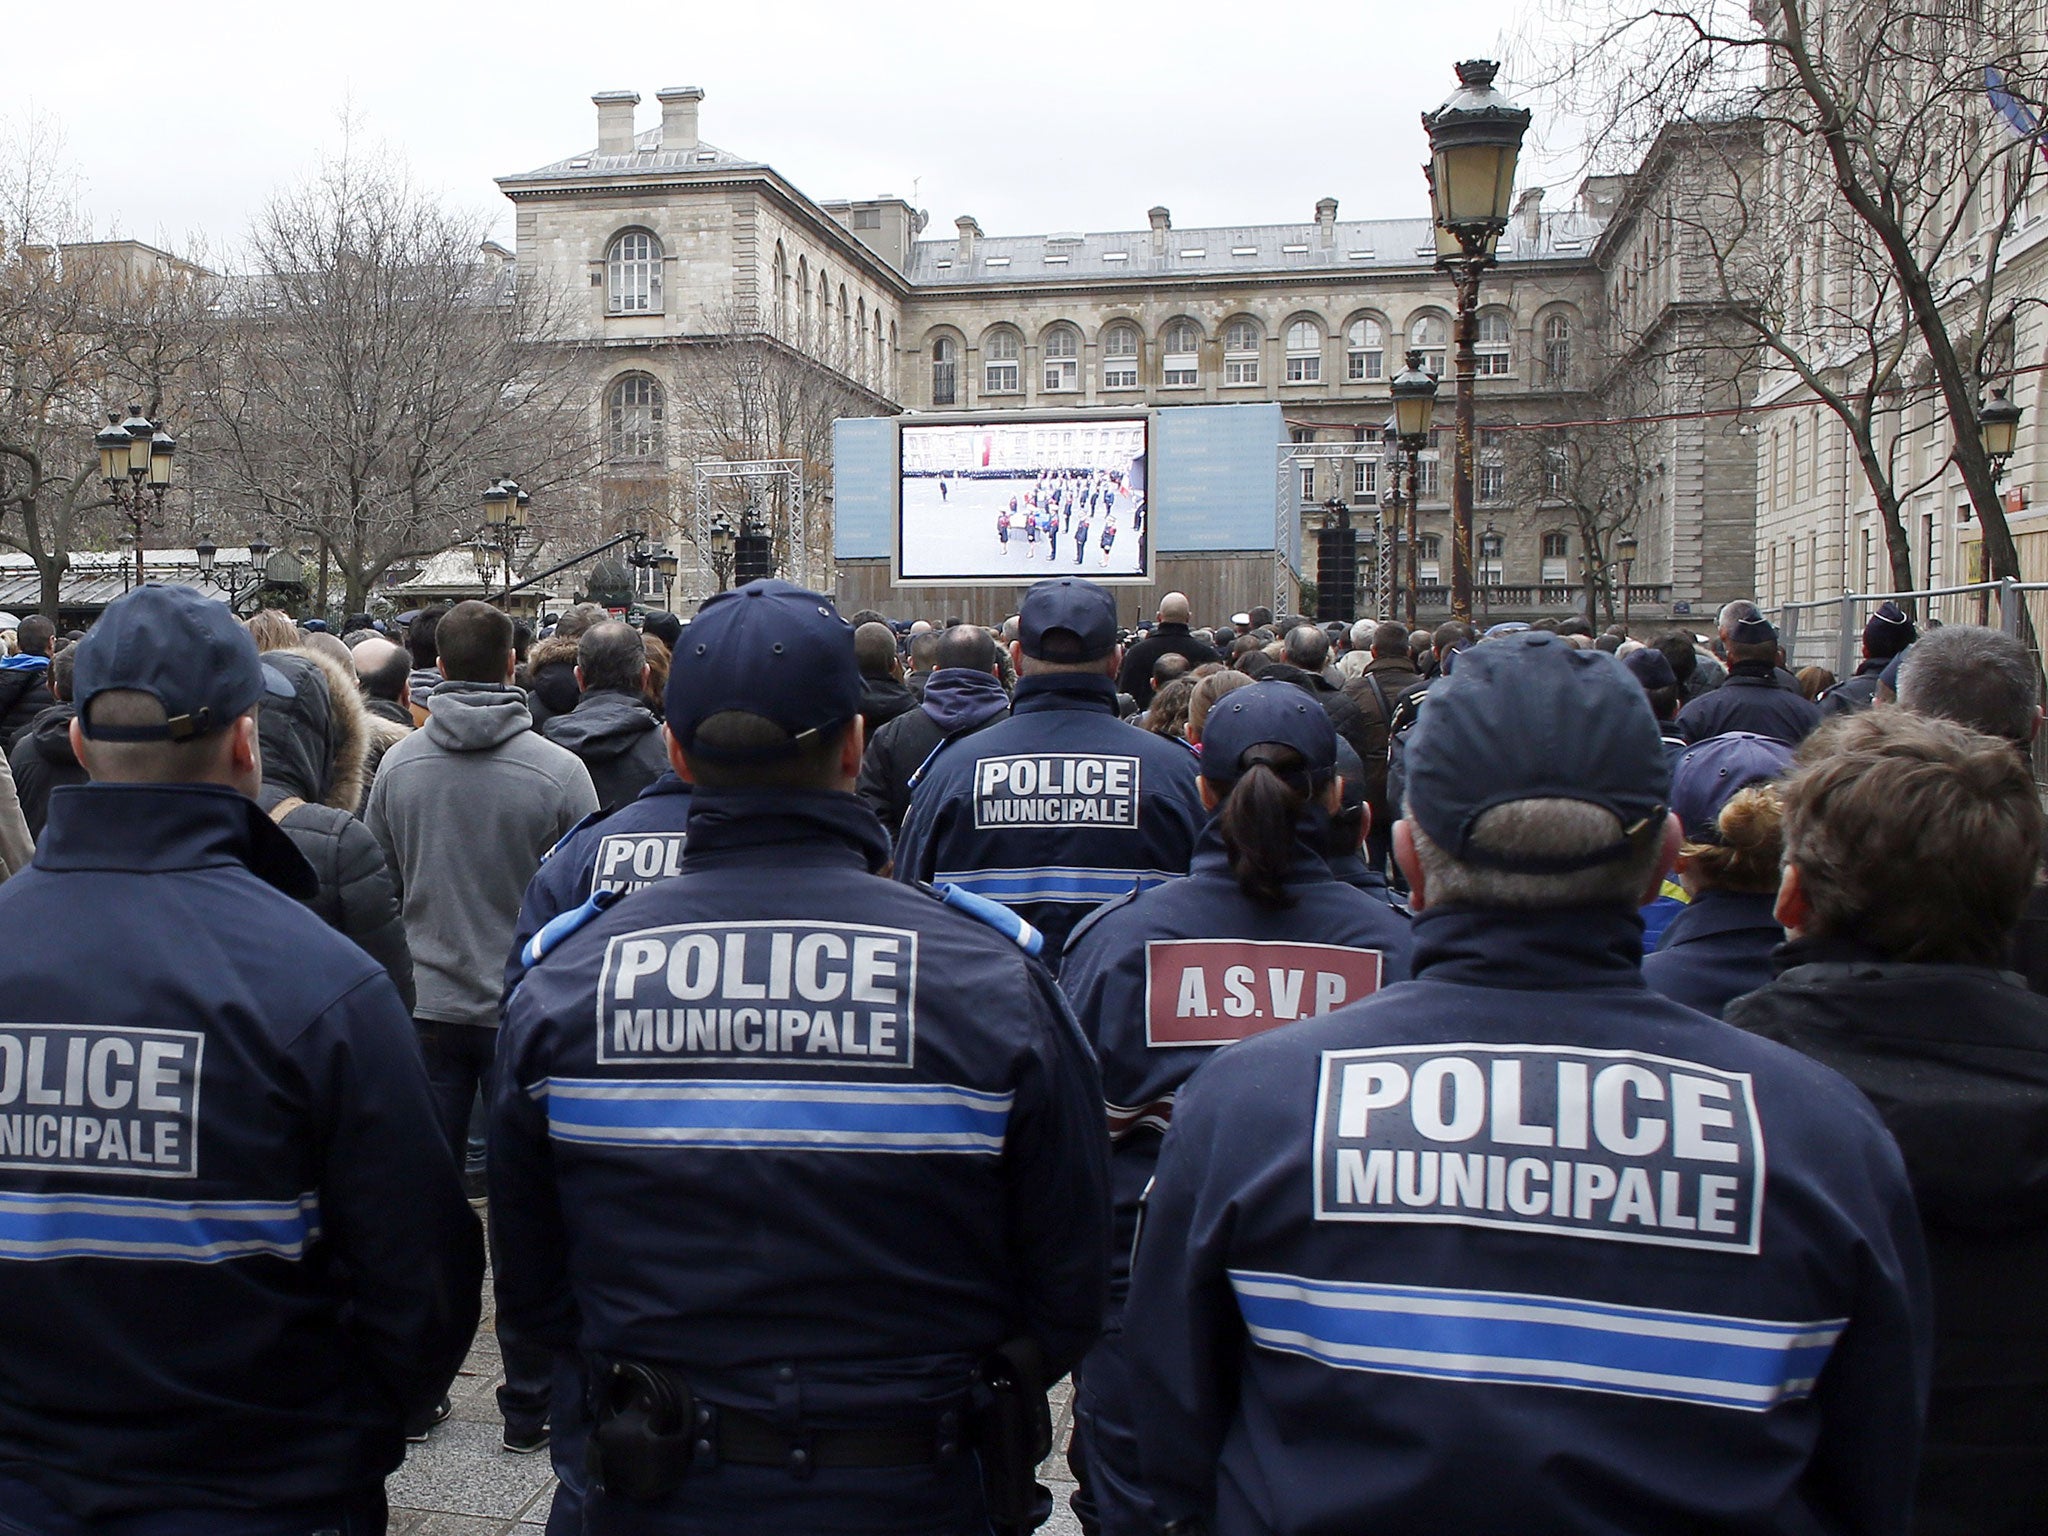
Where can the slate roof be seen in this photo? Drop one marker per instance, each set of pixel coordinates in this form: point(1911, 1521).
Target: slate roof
point(648, 156)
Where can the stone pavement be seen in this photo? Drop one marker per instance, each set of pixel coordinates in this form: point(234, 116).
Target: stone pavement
point(462, 1482)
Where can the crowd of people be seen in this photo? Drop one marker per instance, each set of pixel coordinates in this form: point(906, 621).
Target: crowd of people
point(1537, 1080)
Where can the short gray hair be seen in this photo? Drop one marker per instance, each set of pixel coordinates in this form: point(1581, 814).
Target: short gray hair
point(1541, 829)
point(1734, 613)
point(1361, 634)
point(1307, 647)
point(1975, 677)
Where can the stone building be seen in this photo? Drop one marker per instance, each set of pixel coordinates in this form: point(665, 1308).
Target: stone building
point(675, 252)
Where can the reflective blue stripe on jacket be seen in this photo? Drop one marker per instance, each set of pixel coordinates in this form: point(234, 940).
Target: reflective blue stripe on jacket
point(233, 1246)
point(1521, 1245)
point(1055, 810)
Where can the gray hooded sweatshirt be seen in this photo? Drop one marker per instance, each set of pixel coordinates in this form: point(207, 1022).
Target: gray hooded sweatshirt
point(465, 807)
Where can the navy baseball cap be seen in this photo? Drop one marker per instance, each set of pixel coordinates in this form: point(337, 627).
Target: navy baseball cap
point(185, 651)
point(1085, 612)
point(1276, 713)
point(770, 649)
point(1531, 717)
point(1712, 773)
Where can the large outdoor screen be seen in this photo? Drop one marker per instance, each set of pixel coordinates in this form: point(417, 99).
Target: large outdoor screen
point(1017, 501)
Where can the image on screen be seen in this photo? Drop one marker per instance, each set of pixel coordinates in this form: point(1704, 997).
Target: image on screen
point(1018, 501)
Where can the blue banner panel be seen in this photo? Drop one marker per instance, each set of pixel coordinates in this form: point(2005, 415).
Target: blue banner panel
point(863, 487)
point(1214, 475)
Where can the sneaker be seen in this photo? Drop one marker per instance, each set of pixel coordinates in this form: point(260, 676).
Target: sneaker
point(525, 1439)
point(441, 1411)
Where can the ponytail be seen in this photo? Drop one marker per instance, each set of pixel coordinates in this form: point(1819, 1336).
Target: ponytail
point(1258, 820)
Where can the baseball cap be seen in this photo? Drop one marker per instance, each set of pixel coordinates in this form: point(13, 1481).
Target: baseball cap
point(1712, 773)
point(1651, 667)
point(1277, 713)
point(1888, 631)
point(185, 651)
point(770, 649)
point(1753, 630)
point(1530, 717)
point(1511, 627)
point(1085, 611)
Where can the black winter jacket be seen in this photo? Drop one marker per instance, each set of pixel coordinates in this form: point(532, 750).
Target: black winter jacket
point(957, 702)
point(619, 741)
point(24, 694)
point(41, 761)
point(1955, 1057)
point(313, 749)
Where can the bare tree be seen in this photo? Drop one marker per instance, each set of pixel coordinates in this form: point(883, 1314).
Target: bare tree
point(1861, 231)
point(380, 370)
point(85, 326)
point(748, 391)
point(1603, 479)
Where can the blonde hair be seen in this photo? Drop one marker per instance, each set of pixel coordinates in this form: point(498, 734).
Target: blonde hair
point(1751, 848)
point(273, 631)
point(1207, 691)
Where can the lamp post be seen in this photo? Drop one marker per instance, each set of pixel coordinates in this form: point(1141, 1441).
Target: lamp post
point(721, 548)
point(1414, 392)
point(1475, 139)
point(1998, 428)
point(1487, 577)
point(506, 518)
point(663, 563)
point(135, 462)
point(1625, 555)
point(228, 575)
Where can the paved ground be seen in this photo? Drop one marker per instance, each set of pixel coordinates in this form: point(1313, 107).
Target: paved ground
point(463, 1483)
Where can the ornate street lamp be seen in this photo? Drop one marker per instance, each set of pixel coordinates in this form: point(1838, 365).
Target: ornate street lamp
point(1998, 429)
point(1625, 556)
point(507, 518)
point(1414, 392)
point(236, 578)
point(135, 463)
point(721, 548)
point(1475, 139)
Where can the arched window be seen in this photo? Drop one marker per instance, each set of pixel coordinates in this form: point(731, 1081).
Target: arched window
point(633, 274)
point(945, 371)
point(1491, 548)
point(1365, 350)
point(803, 295)
point(999, 369)
point(781, 288)
point(824, 332)
point(1492, 347)
point(860, 331)
point(1181, 363)
point(1304, 353)
point(1432, 334)
point(1557, 348)
point(1241, 352)
point(633, 419)
point(1120, 357)
point(1557, 548)
point(845, 328)
point(1062, 359)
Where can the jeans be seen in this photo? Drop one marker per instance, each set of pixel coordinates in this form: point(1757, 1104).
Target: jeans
point(459, 1061)
point(26, 1511)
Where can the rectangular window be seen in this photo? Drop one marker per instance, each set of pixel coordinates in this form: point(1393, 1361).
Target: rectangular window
point(1493, 482)
point(1429, 558)
point(867, 218)
point(1241, 370)
point(1364, 365)
point(1062, 374)
point(944, 382)
point(999, 379)
point(1426, 477)
point(1120, 374)
point(1182, 372)
point(1308, 482)
point(1365, 478)
point(1304, 370)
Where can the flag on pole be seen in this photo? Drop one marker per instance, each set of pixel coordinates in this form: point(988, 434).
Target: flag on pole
point(2017, 114)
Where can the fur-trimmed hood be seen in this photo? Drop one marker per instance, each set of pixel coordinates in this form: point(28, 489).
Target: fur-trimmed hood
point(315, 743)
point(551, 678)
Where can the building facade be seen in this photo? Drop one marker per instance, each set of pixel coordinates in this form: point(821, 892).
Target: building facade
point(691, 274)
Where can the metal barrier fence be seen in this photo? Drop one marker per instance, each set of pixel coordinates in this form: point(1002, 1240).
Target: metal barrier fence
point(1829, 633)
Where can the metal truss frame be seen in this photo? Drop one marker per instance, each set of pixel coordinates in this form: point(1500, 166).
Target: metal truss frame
point(1287, 505)
point(751, 471)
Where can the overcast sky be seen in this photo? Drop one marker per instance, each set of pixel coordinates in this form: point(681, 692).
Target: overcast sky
point(1057, 114)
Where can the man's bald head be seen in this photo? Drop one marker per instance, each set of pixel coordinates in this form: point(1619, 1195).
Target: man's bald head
point(1174, 608)
point(382, 667)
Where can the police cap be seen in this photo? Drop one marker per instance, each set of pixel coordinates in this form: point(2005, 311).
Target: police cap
point(1712, 773)
point(1267, 713)
point(769, 649)
point(1532, 717)
point(1067, 619)
point(1651, 667)
point(1888, 631)
point(185, 651)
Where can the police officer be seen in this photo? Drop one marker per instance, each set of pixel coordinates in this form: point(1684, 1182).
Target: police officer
point(1258, 934)
point(1063, 806)
point(1886, 635)
point(1519, 1245)
point(234, 1251)
point(1755, 697)
point(832, 1150)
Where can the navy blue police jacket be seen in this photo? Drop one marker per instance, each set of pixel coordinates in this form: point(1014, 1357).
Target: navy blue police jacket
point(1521, 1245)
point(1752, 699)
point(234, 1252)
point(1162, 980)
point(1056, 810)
point(1717, 948)
point(624, 849)
point(801, 1133)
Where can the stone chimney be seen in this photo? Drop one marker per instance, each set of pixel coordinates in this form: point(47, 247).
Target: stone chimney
point(1162, 221)
point(970, 238)
point(1529, 213)
point(679, 115)
point(615, 121)
point(1326, 221)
